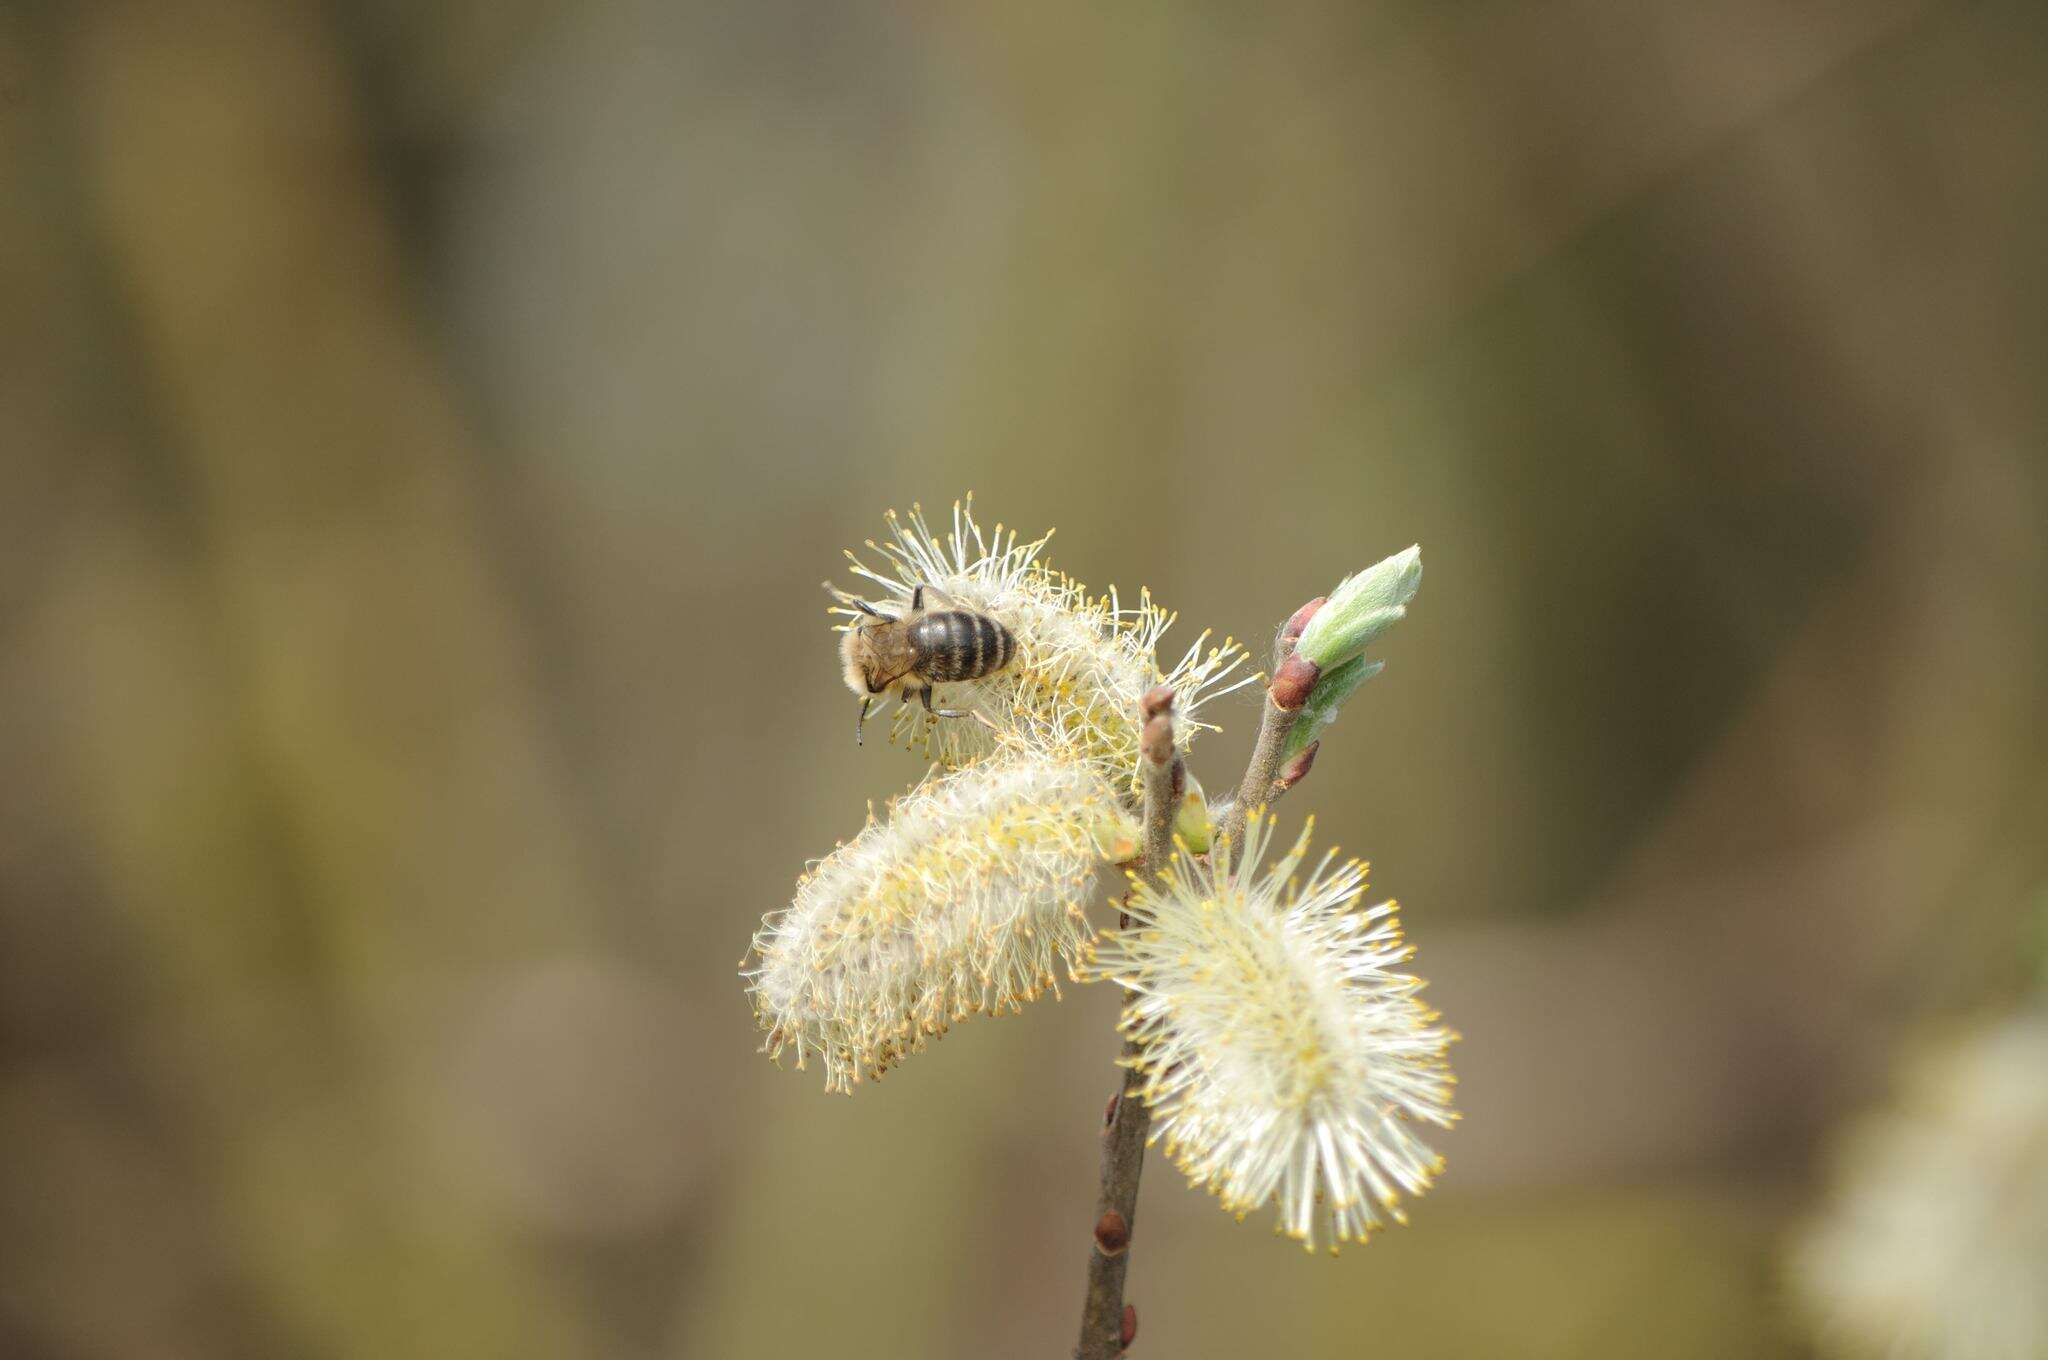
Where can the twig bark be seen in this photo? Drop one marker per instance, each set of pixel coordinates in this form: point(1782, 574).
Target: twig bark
point(1107, 1324)
point(1269, 774)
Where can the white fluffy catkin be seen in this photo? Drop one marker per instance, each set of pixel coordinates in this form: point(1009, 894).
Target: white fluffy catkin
point(1284, 1057)
point(958, 904)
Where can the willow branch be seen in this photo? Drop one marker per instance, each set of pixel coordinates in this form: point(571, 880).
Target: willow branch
point(1270, 773)
point(1107, 1324)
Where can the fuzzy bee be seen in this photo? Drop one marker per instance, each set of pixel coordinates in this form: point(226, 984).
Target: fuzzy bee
point(908, 654)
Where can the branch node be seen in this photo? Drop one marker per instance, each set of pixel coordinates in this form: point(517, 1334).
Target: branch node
point(1157, 740)
point(1292, 682)
point(1297, 769)
point(1112, 1233)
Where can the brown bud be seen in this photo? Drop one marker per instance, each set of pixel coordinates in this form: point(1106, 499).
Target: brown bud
point(1112, 1233)
point(1297, 769)
point(1157, 700)
point(1157, 740)
point(1109, 1110)
point(1298, 620)
point(1293, 681)
point(1129, 1331)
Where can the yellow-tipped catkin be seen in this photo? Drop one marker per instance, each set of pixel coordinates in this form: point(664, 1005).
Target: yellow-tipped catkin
point(960, 903)
point(1283, 1055)
point(1082, 662)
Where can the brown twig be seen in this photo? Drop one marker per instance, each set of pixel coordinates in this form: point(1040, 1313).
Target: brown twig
point(1107, 1323)
point(1269, 774)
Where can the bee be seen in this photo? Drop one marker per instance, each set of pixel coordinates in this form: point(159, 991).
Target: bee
point(907, 654)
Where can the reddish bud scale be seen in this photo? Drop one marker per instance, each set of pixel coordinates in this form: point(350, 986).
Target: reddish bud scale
point(1297, 769)
point(1157, 700)
point(1112, 1233)
point(1293, 681)
point(1298, 620)
point(1157, 741)
point(1128, 1332)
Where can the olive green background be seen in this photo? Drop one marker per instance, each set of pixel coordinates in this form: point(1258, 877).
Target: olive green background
point(424, 425)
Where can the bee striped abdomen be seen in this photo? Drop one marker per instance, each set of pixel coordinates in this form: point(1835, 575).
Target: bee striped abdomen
point(955, 644)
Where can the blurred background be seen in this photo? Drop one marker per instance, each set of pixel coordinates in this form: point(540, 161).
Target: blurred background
point(424, 425)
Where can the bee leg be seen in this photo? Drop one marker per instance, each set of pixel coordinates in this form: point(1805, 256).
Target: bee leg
point(926, 695)
point(940, 600)
point(856, 601)
point(861, 721)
